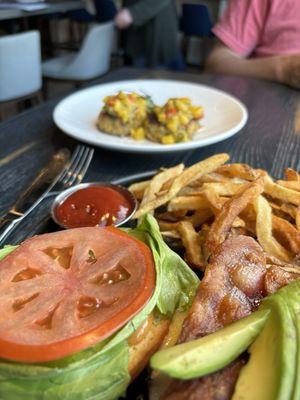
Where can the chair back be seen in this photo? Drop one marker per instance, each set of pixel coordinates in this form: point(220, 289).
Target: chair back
point(20, 65)
point(196, 20)
point(81, 15)
point(93, 58)
point(105, 10)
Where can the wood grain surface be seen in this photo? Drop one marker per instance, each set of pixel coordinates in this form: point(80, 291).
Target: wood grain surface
point(270, 140)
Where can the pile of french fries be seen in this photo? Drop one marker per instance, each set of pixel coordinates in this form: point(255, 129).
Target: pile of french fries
point(200, 206)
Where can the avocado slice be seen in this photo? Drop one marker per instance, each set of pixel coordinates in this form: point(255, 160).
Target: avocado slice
point(295, 312)
point(212, 352)
point(291, 294)
point(271, 370)
point(296, 315)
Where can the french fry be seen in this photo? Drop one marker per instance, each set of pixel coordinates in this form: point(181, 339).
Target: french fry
point(208, 201)
point(248, 215)
point(199, 217)
point(203, 233)
point(188, 175)
point(289, 209)
point(284, 210)
point(229, 189)
point(191, 243)
point(239, 223)
point(291, 268)
point(215, 202)
point(231, 209)
point(167, 226)
point(176, 214)
point(286, 234)
point(282, 193)
point(171, 234)
point(275, 206)
point(197, 170)
point(157, 182)
point(291, 175)
point(188, 203)
point(261, 172)
point(242, 171)
point(171, 216)
point(138, 189)
point(271, 261)
point(239, 230)
point(297, 218)
point(224, 189)
point(211, 177)
point(294, 185)
point(138, 186)
point(264, 230)
point(189, 191)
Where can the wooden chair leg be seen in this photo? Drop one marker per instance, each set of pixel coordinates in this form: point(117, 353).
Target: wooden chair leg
point(45, 89)
point(78, 85)
point(185, 46)
point(36, 99)
point(40, 96)
point(76, 31)
point(2, 115)
point(20, 106)
point(70, 29)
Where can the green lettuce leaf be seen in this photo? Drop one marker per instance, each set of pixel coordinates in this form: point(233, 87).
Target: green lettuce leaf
point(101, 372)
point(103, 376)
point(6, 250)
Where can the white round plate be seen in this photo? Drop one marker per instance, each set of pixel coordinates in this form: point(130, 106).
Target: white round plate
point(224, 115)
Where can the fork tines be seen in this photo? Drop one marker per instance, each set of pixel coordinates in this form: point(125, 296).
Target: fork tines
point(75, 170)
point(78, 165)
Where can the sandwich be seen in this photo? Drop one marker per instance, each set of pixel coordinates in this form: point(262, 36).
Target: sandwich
point(241, 229)
point(83, 310)
point(210, 360)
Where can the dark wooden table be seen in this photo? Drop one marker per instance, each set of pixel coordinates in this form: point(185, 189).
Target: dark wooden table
point(50, 7)
point(270, 140)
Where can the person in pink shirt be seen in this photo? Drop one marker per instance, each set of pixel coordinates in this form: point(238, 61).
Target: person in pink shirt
point(260, 39)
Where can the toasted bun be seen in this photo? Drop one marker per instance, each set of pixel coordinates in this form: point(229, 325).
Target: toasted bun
point(144, 343)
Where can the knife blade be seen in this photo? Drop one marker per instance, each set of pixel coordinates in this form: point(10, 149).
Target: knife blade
point(38, 186)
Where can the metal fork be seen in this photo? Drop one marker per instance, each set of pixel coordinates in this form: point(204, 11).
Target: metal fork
point(71, 175)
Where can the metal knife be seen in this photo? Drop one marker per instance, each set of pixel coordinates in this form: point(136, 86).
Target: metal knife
point(38, 186)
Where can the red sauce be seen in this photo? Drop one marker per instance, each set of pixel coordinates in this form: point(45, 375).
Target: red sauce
point(94, 205)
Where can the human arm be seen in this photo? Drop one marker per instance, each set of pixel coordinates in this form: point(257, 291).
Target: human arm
point(123, 19)
point(284, 69)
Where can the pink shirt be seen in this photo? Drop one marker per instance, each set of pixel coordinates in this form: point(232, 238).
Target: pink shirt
point(260, 28)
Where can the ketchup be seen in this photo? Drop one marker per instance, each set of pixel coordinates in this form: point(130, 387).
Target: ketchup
point(93, 205)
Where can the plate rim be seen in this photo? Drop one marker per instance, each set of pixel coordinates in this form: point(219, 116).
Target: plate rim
point(155, 147)
point(133, 178)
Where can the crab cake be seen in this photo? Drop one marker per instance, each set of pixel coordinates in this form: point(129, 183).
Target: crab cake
point(123, 114)
point(174, 122)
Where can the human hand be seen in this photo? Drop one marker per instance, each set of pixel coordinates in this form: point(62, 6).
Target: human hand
point(289, 70)
point(123, 19)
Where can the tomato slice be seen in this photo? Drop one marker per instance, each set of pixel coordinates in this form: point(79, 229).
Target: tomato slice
point(63, 292)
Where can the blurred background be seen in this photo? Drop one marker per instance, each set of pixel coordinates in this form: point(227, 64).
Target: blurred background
point(56, 46)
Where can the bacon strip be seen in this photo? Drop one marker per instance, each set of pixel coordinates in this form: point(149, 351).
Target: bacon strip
point(230, 210)
point(235, 281)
